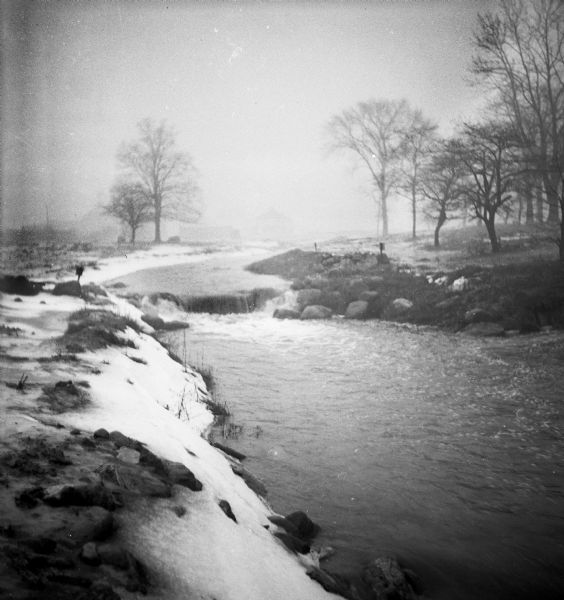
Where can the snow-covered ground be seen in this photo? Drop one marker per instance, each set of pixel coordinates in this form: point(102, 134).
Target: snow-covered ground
point(148, 396)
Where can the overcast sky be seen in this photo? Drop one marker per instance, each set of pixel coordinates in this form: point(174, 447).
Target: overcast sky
point(248, 87)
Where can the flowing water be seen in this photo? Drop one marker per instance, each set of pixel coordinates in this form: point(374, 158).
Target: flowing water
point(442, 450)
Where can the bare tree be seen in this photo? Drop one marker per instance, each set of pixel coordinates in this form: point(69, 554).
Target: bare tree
point(130, 204)
point(166, 175)
point(441, 185)
point(375, 132)
point(418, 139)
point(520, 55)
point(487, 153)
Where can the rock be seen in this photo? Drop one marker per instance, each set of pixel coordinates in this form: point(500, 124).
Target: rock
point(369, 296)
point(68, 288)
point(316, 312)
point(333, 300)
point(478, 315)
point(89, 554)
point(29, 497)
point(252, 482)
point(119, 439)
point(293, 543)
point(356, 287)
point(128, 455)
point(401, 305)
point(334, 584)
point(94, 290)
point(85, 494)
point(112, 554)
point(19, 284)
point(92, 523)
point(230, 451)
point(448, 303)
point(357, 310)
point(308, 297)
point(154, 321)
point(373, 282)
point(99, 590)
point(460, 284)
point(280, 521)
point(181, 475)
point(102, 434)
point(179, 511)
point(226, 508)
point(286, 313)
point(135, 480)
point(484, 329)
point(307, 529)
point(386, 579)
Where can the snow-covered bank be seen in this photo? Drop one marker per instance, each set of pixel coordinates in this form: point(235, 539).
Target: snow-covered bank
point(187, 543)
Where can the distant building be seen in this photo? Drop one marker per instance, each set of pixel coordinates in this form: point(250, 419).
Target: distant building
point(272, 225)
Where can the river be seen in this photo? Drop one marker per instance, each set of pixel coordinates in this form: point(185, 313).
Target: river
point(443, 450)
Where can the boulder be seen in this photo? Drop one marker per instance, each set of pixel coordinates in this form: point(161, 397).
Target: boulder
point(316, 312)
point(102, 434)
point(478, 315)
point(356, 287)
point(128, 455)
point(119, 439)
point(369, 296)
point(226, 508)
point(357, 310)
point(94, 290)
point(308, 297)
point(19, 284)
point(293, 543)
point(386, 579)
point(89, 554)
point(286, 313)
point(83, 494)
point(333, 300)
point(484, 329)
point(68, 288)
point(135, 480)
point(181, 475)
point(401, 305)
point(155, 322)
point(306, 528)
point(252, 482)
point(280, 521)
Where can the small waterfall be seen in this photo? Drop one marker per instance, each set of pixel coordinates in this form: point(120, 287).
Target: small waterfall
point(244, 302)
point(287, 300)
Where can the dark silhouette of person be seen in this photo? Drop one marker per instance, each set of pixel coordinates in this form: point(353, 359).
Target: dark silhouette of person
point(79, 271)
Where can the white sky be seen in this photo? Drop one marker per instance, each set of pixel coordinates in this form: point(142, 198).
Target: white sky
point(248, 86)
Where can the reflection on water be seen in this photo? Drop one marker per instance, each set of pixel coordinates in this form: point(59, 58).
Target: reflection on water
point(443, 450)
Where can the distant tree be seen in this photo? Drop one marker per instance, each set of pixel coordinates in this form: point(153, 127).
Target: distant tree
point(441, 184)
point(487, 151)
point(166, 175)
point(520, 55)
point(130, 204)
point(418, 139)
point(375, 132)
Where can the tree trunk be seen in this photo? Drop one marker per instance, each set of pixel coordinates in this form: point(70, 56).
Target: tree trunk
point(133, 232)
point(384, 216)
point(157, 226)
point(529, 211)
point(490, 226)
point(440, 222)
point(551, 198)
point(414, 214)
point(540, 204)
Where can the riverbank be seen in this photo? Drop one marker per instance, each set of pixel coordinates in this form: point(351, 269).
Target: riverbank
point(499, 300)
point(110, 490)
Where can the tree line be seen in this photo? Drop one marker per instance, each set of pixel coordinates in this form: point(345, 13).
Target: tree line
point(511, 159)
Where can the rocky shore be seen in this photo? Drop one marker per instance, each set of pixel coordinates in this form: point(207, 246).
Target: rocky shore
point(109, 487)
point(478, 300)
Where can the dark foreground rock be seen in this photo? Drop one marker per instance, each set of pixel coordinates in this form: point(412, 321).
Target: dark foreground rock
point(68, 288)
point(20, 285)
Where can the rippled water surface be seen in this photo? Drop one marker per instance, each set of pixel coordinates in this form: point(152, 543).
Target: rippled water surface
point(443, 450)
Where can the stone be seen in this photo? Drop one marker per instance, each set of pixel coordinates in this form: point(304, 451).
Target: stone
point(19, 284)
point(401, 305)
point(68, 288)
point(112, 554)
point(307, 529)
point(292, 542)
point(85, 494)
point(102, 434)
point(119, 439)
point(179, 511)
point(478, 315)
point(226, 508)
point(89, 554)
point(357, 310)
point(308, 297)
point(252, 482)
point(154, 321)
point(286, 313)
point(369, 296)
point(135, 480)
point(181, 475)
point(128, 455)
point(484, 329)
point(94, 290)
point(280, 521)
point(386, 579)
point(316, 312)
point(459, 285)
point(356, 287)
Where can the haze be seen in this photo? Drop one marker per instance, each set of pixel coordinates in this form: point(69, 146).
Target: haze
point(248, 87)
